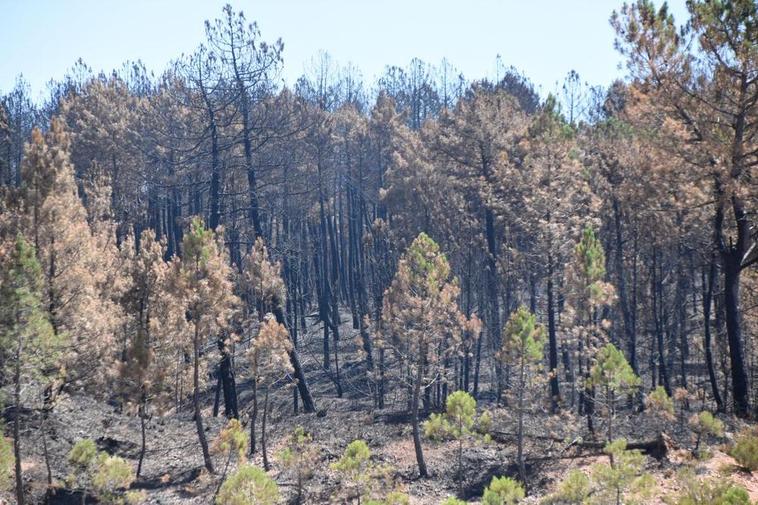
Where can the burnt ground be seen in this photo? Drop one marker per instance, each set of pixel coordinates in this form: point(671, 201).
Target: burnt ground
point(173, 471)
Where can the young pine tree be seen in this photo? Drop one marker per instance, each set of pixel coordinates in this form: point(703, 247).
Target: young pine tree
point(25, 332)
point(457, 423)
point(592, 293)
point(523, 348)
point(152, 316)
point(249, 484)
point(300, 457)
point(264, 288)
point(232, 442)
point(356, 470)
point(624, 480)
point(269, 357)
point(420, 315)
point(203, 282)
point(613, 375)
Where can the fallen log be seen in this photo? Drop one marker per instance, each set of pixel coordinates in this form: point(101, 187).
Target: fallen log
point(657, 448)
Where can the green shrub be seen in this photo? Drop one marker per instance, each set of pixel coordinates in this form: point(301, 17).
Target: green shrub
point(484, 425)
point(112, 477)
point(503, 491)
point(355, 458)
point(83, 457)
point(248, 485)
point(135, 497)
point(397, 498)
point(660, 404)
point(300, 457)
point(623, 479)
point(233, 440)
point(573, 490)
point(710, 492)
point(436, 427)
point(83, 454)
point(745, 450)
point(704, 425)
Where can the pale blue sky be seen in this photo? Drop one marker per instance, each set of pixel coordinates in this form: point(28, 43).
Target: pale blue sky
point(543, 38)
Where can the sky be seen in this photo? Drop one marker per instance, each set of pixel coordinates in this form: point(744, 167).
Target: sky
point(544, 39)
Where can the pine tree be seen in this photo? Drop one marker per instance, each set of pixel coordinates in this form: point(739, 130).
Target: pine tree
point(457, 423)
point(269, 359)
point(204, 284)
point(624, 480)
point(300, 456)
point(231, 442)
point(265, 290)
point(81, 282)
point(419, 315)
point(613, 375)
point(153, 314)
point(700, 82)
point(249, 484)
point(522, 347)
point(592, 292)
point(25, 331)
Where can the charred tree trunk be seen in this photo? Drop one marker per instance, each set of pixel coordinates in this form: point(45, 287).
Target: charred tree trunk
point(196, 403)
point(555, 394)
point(708, 283)
point(309, 406)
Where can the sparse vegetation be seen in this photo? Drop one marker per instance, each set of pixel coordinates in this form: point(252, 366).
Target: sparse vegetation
point(659, 404)
point(623, 480)
point(705, 425)
point(456, 423)
point(710, 492)
point(503, 491)
point(300, 456)
point(227, 280)
point(248, 484)
point(745, 450)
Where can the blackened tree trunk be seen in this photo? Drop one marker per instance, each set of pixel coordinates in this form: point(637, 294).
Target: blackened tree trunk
point(414, 416)
point(708, 282)
point(629, 330)
point(309, 406)
point(732, 257)
point(215, 190)
point(196, 403)
point(229, 387)
point(143, 432)
point(492, 289)
point(555, 394)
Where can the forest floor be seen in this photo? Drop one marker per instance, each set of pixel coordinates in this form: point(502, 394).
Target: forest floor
point(173, 467)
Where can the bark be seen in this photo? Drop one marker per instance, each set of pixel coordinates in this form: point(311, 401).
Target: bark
point(414, 417)
point(309, 405)
point(492, 287)
point(555, 394)
point(521, 391)
point(732, 256)
point(196, 404)
point(266, 465)
point(629, 330)
point(229, 387)
point(143, 437)
point(708, 283)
